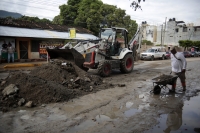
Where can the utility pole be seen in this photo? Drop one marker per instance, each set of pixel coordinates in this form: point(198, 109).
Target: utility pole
point(164, 30)
point(161, 34)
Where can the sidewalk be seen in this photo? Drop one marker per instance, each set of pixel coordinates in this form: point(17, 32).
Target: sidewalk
point(4, 66)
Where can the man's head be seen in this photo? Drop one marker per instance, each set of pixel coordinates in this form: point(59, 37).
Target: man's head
point(175, 49)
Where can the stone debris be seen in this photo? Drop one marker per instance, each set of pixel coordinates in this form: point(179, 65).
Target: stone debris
point(48, 83)
point(29, 104)
point(10, 89)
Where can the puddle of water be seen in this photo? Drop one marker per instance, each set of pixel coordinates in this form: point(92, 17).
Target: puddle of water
point(102, 118)
point(184, 120)
point(130, 112)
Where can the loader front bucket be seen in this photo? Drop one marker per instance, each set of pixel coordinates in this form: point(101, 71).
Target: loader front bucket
point(68, 54)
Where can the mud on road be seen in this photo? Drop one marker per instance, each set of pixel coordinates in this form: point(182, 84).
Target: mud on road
point(113, 107)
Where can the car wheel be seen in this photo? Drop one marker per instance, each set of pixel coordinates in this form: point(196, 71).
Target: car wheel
point(163, 57)
point(152, 58)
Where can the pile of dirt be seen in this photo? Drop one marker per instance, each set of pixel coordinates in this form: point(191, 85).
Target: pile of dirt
point(57, 81)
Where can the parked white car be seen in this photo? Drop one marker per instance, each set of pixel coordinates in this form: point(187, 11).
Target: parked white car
point(153, 53)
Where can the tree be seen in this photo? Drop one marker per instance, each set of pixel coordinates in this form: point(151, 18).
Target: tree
point(136, 4)
point(185, 43)
point(147, 42)
point(69, 12)
point(116, 17)
point(88, 15)
point(91, 13)
point(57, 20)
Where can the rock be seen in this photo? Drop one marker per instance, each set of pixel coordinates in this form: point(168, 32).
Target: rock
point(77, 80)
point(141, 96)
point(21, 102)
point(91, 88)
point(43, 105)
point(121, 85)
point(87, 79)
point(29, 104)
point(10, 89)
point(2, 83)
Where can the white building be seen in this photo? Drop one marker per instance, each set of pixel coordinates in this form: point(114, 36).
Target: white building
point(172, 33)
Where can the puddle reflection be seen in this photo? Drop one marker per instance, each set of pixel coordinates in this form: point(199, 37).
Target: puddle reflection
point(130, 112)
point(185, 118)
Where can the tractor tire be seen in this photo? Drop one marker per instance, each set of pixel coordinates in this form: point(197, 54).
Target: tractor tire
point(104, 69)
point(127, 64)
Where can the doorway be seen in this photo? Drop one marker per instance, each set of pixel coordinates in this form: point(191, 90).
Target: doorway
point(23, 48)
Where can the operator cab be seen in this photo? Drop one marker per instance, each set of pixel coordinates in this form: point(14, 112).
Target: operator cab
point(117, 39)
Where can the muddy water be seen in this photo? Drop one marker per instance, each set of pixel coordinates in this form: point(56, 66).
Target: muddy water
point(183, 120)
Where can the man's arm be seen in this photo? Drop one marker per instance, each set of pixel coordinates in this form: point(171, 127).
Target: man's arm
point(183, 60)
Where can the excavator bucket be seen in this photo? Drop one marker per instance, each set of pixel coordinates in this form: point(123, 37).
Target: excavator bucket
point(68, 54)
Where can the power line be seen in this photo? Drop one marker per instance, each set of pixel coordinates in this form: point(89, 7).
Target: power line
point(44, 3)
point(29, 6)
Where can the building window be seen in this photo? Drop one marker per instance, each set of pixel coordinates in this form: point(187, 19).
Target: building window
point(184, 29)
point(176, 30)
point(170, 36)
point(179, 36)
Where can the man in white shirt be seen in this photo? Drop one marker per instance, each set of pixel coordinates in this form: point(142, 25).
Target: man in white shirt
point(179, 64)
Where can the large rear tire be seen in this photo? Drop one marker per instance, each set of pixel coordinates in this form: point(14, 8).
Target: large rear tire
point(104, 69)
point(127, 64)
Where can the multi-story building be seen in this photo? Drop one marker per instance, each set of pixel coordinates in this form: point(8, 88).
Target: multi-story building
point(171, 33)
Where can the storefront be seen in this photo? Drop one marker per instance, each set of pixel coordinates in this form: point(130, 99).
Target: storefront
point(31, 44)
point(27, 48)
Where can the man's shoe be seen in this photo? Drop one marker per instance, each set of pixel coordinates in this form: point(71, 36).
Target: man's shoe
point(184, 89)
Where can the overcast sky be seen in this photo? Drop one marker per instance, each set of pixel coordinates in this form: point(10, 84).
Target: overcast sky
point(153, 11)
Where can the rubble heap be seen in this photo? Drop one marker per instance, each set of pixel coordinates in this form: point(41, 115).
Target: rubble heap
point(57, 81)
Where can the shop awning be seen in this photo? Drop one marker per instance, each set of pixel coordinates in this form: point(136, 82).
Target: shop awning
point(37, 33)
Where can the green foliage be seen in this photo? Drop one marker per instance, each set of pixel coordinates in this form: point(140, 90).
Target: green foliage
point(34, 19)
point(185, 43)
point(161, 45)
point(189, 43)
point(147, 42)
point(90, 14)
point(57, 20)
point(111, 16)
point(136, 4)
point(196, 43)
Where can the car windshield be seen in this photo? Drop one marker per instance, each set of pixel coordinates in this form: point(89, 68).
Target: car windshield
point(150, 50)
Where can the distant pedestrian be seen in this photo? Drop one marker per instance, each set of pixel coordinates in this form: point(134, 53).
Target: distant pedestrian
point(11, 51)
point(178, 64)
